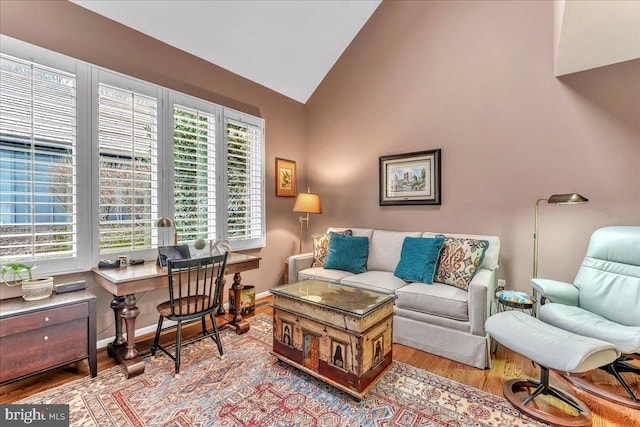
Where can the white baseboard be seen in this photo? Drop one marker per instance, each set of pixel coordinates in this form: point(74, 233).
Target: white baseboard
point(167, 324)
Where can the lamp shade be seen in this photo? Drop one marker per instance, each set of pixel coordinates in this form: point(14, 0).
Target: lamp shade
point(307, 202)
point(164, 222)
point(560, 199)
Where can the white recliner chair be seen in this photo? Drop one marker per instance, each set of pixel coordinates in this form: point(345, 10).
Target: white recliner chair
point(603, 303)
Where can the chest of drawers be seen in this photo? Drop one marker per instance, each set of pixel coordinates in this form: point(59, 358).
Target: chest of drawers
point(39, 335)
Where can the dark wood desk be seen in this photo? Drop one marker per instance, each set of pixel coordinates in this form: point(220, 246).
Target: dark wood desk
point(124, 283)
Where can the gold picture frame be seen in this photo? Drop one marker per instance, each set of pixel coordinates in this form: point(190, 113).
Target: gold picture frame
point(285, 178)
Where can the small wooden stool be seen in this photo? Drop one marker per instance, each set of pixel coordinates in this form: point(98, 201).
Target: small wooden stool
point(551, 348)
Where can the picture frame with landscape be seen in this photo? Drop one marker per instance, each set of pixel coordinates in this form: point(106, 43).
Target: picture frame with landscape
point(410, 178)
point(285, 178)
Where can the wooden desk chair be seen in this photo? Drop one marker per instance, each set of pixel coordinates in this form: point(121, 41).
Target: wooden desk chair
point(194, 293)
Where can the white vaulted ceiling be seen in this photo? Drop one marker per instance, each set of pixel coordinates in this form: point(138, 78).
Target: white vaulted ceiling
point(288, 46)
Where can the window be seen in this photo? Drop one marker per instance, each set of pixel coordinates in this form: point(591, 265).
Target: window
point(245, 221)
point(90, 159)
point(37, 162)
point(194, 173)
point(128, 164)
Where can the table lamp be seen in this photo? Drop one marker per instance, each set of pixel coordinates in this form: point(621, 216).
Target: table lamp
point(308, 203)
point(557, 199)
point(164, 222)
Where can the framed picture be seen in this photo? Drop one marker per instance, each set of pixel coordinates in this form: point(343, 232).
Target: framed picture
point(410, 178)
point(285, 178)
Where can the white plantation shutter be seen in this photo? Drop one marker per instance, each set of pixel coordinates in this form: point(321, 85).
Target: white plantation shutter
point(194, 174)
point(128, 165)
point(90, 159)
point(37, 162)
point(245, 194)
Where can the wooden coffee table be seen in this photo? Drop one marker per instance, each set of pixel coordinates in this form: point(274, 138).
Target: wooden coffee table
point(339, 334)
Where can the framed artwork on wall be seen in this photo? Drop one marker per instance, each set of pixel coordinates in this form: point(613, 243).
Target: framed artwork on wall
point(285, 178)
point(410, 178)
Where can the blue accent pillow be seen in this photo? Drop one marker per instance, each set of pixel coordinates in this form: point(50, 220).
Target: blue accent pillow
point(347, 253)
point(418, 259)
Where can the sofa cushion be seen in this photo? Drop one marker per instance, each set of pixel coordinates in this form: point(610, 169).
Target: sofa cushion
point(491, 254)
point(459, 261)
point(418, 259)
point(321, 246)
point(377, 281)
point(347, 253)
point(385, 248)
point(438, 299)
point(323, 274)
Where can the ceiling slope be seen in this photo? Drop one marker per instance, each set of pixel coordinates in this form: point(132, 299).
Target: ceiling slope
point(596, 33)
point(288, 46)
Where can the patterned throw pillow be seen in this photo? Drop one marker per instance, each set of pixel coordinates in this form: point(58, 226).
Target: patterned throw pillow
point(459, 260)
point(321, 247)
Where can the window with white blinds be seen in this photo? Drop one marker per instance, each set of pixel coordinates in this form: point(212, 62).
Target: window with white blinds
point(128, 169)
point(37, 162)
point(90, 159)
point(245, 220)
point(194, 174)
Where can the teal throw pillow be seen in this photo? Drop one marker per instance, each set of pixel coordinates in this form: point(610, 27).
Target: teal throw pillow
point(418, 259)
point(347, 253)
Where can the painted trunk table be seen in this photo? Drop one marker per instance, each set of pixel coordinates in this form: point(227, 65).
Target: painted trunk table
point(339, 334)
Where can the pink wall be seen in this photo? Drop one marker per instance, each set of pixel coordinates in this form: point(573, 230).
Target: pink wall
point(69, 29)
point(476, 80)
point(473, 78)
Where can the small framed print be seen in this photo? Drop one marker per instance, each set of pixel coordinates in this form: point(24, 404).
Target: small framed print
point(287, 334)
point(410, 178)
point(285, 178)
point(378, 350)
point(338, 354)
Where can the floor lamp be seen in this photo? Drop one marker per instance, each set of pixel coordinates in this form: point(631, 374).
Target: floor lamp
point(557, 199)
point(308, 203)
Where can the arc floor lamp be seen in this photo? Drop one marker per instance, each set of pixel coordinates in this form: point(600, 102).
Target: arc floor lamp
point(557, 199)
point(308, 203)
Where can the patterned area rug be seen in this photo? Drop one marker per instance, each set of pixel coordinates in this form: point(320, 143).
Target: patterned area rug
point(249, 387)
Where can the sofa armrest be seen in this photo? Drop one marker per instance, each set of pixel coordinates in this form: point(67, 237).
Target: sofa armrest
point(297, 263)
point(482, 290)
point(556, 291)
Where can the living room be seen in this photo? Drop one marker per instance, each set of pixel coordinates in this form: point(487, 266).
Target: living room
point(473, 79)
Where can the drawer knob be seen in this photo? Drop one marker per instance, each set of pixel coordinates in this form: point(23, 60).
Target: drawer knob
point(46, 319)
point(46, 337)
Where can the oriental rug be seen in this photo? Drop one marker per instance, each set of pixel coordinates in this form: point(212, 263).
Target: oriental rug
point(249, 387)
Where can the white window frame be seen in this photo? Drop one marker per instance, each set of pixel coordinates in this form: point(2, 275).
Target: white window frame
point(177, 98)
point(87, 153)
point(237, 116)
point(99, 75)
point(25, 51)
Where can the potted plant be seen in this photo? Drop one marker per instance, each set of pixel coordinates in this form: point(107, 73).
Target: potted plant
point(21, 274)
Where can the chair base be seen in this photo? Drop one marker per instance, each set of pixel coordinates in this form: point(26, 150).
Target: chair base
point(582, 383)
point(511, 391)
point(616, 368)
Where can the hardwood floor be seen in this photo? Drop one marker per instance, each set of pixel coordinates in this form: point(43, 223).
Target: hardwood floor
point(506, 365)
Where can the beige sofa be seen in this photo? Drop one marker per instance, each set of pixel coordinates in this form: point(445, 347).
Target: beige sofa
point(437, 318)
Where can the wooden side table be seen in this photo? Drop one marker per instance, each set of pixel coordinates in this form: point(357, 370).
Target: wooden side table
point(36, 336)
